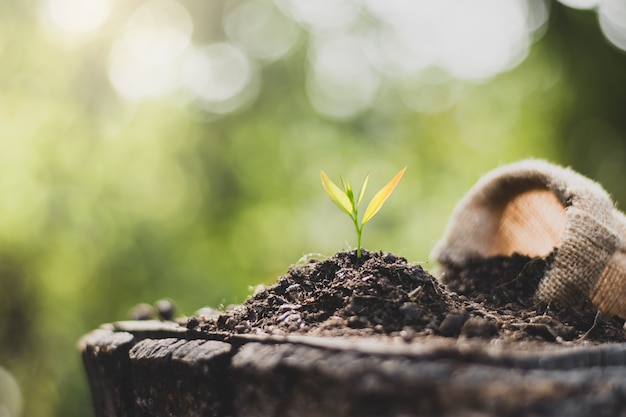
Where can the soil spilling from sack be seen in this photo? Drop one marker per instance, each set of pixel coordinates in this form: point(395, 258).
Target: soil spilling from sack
point(382, 294)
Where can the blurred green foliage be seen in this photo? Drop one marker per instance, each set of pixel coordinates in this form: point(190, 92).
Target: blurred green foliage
point(106, 203)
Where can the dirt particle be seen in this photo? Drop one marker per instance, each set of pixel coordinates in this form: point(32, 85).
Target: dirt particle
point(452, 324)
point(479, 327)
point(411, 312)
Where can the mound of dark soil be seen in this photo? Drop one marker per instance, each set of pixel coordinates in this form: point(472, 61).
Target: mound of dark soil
point(501, 282)
point(506, 286)
point(384, 294)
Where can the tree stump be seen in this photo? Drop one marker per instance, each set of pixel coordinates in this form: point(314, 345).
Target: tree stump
point(151, 368)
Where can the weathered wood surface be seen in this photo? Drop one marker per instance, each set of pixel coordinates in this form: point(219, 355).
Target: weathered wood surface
point(160, 369)
point(177, 377)
point(105, 355)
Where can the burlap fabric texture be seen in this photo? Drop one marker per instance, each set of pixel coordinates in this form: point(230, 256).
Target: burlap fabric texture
point(532, 207)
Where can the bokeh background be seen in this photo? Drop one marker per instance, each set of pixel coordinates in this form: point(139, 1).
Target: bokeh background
point(167, 148)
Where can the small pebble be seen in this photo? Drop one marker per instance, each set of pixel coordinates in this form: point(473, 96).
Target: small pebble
point(389, 258)
point(407, 334)
point(230, 324)
point(452, 324)
point(142, 311)
point(243, 327)
point(356, 322)
point(192, 323)
point(411, 312)
point(166, 308)
point(479, 327)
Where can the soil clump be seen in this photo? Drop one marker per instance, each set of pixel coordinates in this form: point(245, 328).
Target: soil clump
point(383, 295)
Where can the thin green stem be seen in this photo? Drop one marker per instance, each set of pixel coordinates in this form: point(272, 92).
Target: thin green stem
point(359, 230)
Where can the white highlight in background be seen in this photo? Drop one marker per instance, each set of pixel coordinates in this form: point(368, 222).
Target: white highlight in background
point(10, 395)
point(261, 30)
point(581, 4)
point(321, 15)
point(78, 16)
point(341, 82)
point(220, 76)
point(612, 17)
point(469, 40)
point(144, 61)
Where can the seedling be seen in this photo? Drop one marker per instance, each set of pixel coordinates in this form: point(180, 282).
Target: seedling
point(345, 200)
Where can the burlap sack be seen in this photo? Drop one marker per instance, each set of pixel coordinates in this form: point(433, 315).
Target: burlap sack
point(531, 207)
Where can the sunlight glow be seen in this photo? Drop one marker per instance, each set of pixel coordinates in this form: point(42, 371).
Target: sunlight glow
point(341, 82)
point(430, 92)
point(423, 50)
point(261, 30)
point(321, 15)
point(10, 395)
point(220, 76)
point(358, 48)
point(612, 17)
point(78, 16)
point(469, 40)
point(144, 60)
point(581, 4)
point(483, 38)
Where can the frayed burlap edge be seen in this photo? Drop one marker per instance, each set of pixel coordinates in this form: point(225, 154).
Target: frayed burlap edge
point(591, 258)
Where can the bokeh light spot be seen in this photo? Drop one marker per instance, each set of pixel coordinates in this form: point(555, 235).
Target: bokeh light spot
point(10, 395)
point(581, 4)
point(219, 76)
point(408, 40)
point(144, 60)
point(79, 16)
point(428, 93)
point(482, 38)
point(471, 41)
point(612, 17)
point(260, 29)
point(320, 15)
point(341, 82)
point(158, 31)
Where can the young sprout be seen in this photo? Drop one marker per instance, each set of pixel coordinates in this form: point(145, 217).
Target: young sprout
point(345, 200)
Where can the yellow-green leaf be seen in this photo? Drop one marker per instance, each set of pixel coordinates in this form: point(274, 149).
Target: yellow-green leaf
point(347, 189)
point(363, 187)
point(336, 195)
point(380, 197)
